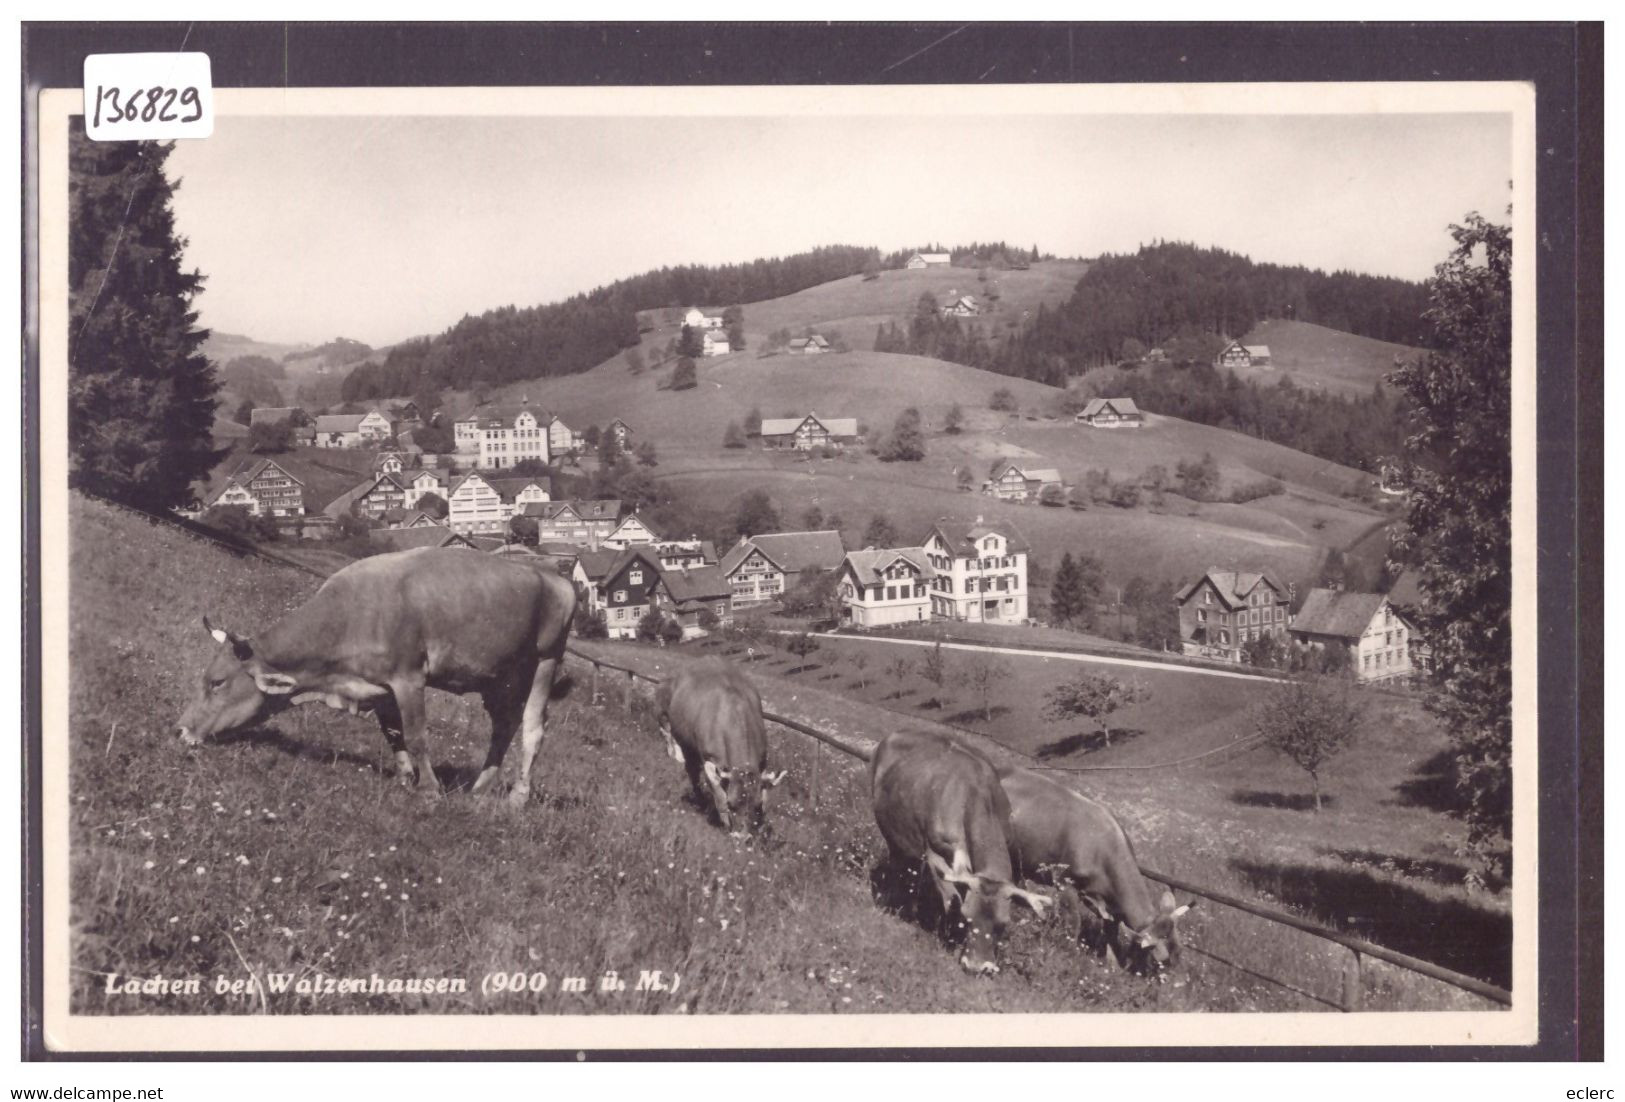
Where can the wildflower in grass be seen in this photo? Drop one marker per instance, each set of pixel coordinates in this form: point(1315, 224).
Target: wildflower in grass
point(201, 869)
point(195, 939)
point(182, 860)
point(276, 879)
point(242, 859)
point(149, 864)
point(174, 918)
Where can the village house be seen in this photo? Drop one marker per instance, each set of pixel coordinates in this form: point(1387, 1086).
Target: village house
point(264, 488)
point(685, 554)
point(388, 462)
point(627, 591)
point(562, 439)
point(808, 346)
point(699, 319)
point(339, 430)
point(621, 431)
point(406, 415)
point(1236, 354)
point(806, 433)
point(580, 523)
point(1223, 610)
point(961, 306)
point(377, 426)
point(688, 595)
point(1365, 626)
point(629, 532)
point(425, 482)
point(762, 568)
point(481, 505)
point(384, 494)
point(501, 436)
point(980, 572)
point(891, 586)
point(716, 343)
point(1111, 413)
point(927, 260)
point(1012, 482)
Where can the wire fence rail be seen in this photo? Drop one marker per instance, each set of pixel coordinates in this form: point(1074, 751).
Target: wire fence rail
point(1359, 949)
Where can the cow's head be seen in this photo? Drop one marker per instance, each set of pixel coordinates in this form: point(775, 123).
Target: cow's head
point(985, 904)
point(237, 689)
point(1155, 946)
point(737, 794)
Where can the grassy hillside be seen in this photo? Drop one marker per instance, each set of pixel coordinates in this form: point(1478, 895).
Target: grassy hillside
point(288, 850)
point(1288, 533)
point(1329, 359)
point(326, 472)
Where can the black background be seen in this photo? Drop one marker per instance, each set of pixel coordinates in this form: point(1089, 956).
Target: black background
point(1563, 61)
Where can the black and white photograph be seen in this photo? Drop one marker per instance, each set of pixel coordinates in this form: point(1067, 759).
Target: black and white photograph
point(751, 567)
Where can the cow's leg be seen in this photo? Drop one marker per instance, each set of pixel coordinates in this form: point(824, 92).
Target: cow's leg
point(414, 726)
point(503, 705)
point(389, 718)
point(530, 728)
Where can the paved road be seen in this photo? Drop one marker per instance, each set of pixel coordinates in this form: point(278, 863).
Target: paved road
point(1066, 656)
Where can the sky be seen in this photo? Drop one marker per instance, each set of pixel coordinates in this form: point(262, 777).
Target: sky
point(383, 228)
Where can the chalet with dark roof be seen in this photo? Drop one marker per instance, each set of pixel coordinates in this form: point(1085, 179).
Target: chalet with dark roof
point(1223, 610)
point(762, 568)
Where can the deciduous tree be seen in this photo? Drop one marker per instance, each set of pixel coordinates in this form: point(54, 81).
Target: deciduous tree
point(1094, 697)
point(1311, 721)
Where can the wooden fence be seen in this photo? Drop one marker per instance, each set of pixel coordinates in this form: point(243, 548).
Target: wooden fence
point(1353, 994)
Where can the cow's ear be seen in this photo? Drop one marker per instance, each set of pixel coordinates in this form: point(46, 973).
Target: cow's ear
point(1166, 901)
point(272, 683)
point(221, 635)
point(1177, 911)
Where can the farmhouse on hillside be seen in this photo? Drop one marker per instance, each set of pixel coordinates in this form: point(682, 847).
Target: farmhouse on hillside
point(503, 435)
point(629, 532)
point(927, 260)
point(621, 431)
point(1223, 610)
point(1365, 625)
point(698, 319)
point(562, 439)
point(890, 586)
point(1406, 597)
point(806, 433)
point(265, 489)
point(962, 306)
point(1012, 482)
point(808, 346)
point(716, 343)
point(762, 568)
point(1111, 413)
point(384, 494)
point(579, 523)
point(338, 430)
point(1236, 354)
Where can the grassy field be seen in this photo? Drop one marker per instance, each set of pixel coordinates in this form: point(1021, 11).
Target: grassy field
point(1317, 357)
point(288, 851)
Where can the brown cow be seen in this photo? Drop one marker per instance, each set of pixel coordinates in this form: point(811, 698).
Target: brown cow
point(938, 801)
point(711, 716)
point(380, 630)
point(1064, 835)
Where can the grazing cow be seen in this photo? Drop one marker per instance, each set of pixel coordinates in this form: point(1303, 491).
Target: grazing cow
point(1070, 838)
point(711, 716)
point(380, 630)
point(939, 801)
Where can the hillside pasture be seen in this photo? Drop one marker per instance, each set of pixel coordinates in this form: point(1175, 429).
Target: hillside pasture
point(288, 850)
point(1316, 357)
point(326, 472)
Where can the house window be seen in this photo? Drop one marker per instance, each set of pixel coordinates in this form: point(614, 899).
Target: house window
point(620, 596)
point(1201, 615)
point(1207, 596)
point(636, 577)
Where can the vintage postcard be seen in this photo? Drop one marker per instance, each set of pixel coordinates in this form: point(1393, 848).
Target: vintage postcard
point(801, 567)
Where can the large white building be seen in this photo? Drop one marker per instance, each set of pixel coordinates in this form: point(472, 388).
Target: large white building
point(498, 436)
point(483, 506)
point(980, 572)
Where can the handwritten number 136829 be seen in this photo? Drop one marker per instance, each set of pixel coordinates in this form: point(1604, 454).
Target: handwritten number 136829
point(147, 104)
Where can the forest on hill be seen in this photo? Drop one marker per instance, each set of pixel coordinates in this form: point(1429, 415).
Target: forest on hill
point(1171, 290)
point(509, 343)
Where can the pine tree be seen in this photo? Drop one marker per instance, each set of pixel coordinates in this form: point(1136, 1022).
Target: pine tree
point(141, 396)
point(1066, 591)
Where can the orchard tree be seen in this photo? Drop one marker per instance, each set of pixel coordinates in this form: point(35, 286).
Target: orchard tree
point(645, 453)
point(733, 436)
point(860, 663)
point(813, 519)
point(1094, 697)
point(954, 422)
point(1310, 721)
point(880, 532)
point(753, 421)
point(803, 645)
point(141, 394)
point(755, 514)
point(1458, 532)
point(987, 672)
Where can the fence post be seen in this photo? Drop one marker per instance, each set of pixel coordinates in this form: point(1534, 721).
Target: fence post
point(818, 757)
point(630, 676)
point(1354, 982)
point(595, 684)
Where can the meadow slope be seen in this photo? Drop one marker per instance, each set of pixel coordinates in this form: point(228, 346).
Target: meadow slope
point(1317, 357)
point(287, 850)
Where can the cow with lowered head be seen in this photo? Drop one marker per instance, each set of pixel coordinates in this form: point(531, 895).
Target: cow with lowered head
point(1064, 836)
point(711, 716)
point(939, 803)
point(380, 631)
